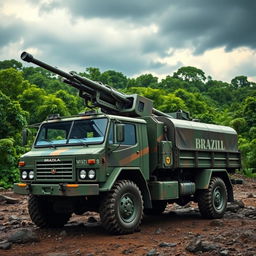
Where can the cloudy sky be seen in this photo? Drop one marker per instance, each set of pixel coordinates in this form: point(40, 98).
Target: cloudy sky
point(135, 36)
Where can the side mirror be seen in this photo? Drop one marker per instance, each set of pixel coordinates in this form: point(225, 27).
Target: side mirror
point(119, 133)
point(24, 137)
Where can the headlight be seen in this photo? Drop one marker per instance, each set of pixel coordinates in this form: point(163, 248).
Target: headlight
point(91, 174)
point(31, 175)
point(82, 174)
point(24, 175)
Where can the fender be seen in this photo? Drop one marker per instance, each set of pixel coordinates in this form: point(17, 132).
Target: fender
point(130, 173)
point(203, 177)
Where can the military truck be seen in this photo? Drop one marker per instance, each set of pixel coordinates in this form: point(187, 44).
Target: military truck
point(124, 161)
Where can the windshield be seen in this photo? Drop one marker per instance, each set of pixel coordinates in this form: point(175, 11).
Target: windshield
point(88, 131)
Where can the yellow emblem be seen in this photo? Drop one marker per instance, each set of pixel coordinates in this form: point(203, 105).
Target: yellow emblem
point(167, 160)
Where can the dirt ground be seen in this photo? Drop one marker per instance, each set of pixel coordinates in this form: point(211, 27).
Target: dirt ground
point(179, 231)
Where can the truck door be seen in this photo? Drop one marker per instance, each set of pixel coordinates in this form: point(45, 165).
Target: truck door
point(128, 152)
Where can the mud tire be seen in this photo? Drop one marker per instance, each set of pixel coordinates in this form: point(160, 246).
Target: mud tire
point(158, 208)
point(212, 202)
point(43, 215)
point(121, 210)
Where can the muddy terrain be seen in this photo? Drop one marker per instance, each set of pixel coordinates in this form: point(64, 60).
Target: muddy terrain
point(179, 231)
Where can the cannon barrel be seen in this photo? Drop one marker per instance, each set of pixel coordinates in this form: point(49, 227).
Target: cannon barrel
point(91, 85)
point(29, 58)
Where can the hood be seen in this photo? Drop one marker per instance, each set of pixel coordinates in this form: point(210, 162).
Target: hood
point(64, 151)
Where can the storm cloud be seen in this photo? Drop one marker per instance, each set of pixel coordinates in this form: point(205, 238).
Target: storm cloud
point(133, 36)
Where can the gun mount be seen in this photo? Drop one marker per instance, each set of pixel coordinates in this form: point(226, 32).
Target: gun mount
point(97, 94)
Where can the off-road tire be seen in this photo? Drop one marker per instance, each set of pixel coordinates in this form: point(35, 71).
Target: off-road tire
point(43, 215)
point(121, 210)
point(212, 202)
point(158, 208)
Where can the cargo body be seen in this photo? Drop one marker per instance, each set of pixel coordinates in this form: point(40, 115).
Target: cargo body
point(129, 161)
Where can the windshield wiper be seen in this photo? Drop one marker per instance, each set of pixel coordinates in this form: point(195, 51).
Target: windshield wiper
point(50, 143)
point(80, 140)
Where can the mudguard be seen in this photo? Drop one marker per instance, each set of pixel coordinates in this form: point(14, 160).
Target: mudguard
point(130, 173)
point(203, 177)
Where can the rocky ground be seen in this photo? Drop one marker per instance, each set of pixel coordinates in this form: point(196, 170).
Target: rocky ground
point(179, 231)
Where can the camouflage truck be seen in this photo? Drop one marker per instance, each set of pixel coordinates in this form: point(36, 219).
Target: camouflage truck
point(124, 161)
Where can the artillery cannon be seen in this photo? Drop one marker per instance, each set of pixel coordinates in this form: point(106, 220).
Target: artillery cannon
point(97, 94)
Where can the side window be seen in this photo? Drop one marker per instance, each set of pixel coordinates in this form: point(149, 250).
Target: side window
point(130, 135)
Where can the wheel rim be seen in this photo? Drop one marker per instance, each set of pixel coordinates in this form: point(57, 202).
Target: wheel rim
point(127, 208)
point(218, 199)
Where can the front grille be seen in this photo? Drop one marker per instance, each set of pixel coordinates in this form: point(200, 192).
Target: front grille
point(60, 171)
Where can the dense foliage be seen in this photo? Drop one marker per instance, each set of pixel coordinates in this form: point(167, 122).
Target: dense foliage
point(29, 94)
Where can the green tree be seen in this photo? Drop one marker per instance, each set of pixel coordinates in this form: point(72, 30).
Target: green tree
point(12, 117)
point(250, 111)
point(5, 64)
point(146, 80)
point(92, 73)
point(30, 100)
point(172, 84)
point(51, 105)
point(190, 74)
point(171, 103)
point(9, 172)
point(12, 82)
point(73, 104)
point(240, 81)
point(114, 79)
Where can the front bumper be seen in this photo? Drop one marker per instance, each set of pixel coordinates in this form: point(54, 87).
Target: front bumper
point(56, 189)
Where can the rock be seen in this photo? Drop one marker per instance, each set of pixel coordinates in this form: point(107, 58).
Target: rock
point(63, 233)
point(164, 244)
point(1, 217)
point(232, 208)
point(158, 231)
point(207, 247)
point(224, 252)
point(217, 223)
point(14, 222)
point(250, 213)
point(23, 236)
point(14, 217)
point(9, 200)
point(235, 206)
point(153, 252)
point(239, 202)
point(250, 195)
point(5, 245)
point(128, 251)
point(195, 245)
point(3, 228)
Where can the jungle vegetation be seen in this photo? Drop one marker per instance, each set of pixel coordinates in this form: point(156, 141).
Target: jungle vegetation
point(29, 94)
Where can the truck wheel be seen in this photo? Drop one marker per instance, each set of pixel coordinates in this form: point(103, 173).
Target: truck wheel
point(121, 211)
point(158, 207)
point(212, 202)
point(43, 215)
